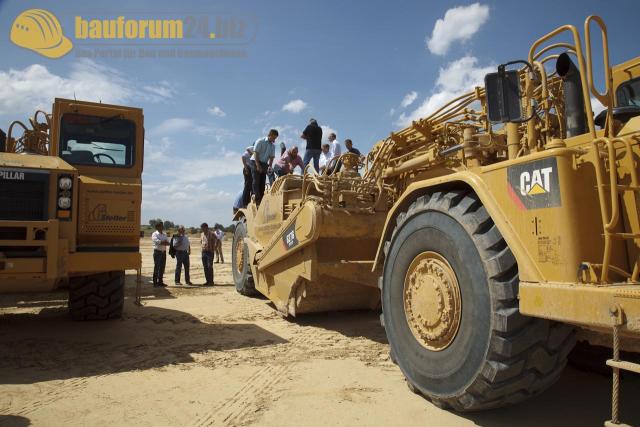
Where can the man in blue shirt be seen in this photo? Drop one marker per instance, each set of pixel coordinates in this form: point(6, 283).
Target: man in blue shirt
point(264, 152)
point(239, 202)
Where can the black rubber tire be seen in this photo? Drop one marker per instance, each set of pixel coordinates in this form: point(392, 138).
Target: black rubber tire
point(242, 278)
point(97, 297)
point(498, 356)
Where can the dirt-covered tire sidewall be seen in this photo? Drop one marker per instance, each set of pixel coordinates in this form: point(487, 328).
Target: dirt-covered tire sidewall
point(97, 297)
point(442, 373)
point(241, 278)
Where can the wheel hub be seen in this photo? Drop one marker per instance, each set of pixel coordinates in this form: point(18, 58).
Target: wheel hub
point(432, 303)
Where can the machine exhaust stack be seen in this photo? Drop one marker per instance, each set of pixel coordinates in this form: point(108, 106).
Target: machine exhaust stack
point(575, 119)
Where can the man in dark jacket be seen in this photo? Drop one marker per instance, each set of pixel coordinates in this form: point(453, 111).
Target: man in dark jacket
point(313, 135)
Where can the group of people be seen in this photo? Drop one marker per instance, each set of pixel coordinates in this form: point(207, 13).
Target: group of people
point(259, 162)
point(180, 248)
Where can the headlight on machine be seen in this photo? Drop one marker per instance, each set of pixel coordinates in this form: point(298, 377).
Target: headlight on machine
point(64, 202)
point(65, 183)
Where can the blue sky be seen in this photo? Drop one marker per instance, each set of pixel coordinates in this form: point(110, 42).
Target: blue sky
point(361, 68)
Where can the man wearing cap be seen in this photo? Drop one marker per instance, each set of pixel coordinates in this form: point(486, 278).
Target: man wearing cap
point(264, 151)
point(313, 135)
point(246, 172)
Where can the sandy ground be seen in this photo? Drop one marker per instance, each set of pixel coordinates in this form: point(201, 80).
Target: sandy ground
point(208, 356)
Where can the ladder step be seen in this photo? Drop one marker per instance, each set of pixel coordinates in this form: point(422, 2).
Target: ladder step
point(627, 366)
point(621, 187)
point(626, 235)
point(612, 424)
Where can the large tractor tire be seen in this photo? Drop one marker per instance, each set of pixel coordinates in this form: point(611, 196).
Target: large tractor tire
point(97, 297)
point(450, 309)
point(240, 262)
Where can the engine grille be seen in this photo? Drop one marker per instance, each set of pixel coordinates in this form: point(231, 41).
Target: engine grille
point(25, 200)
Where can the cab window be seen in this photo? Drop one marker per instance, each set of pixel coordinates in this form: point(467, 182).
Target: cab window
point(628, 93)
point(97, 141)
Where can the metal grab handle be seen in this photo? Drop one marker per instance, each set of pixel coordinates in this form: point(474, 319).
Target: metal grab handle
point(581, 64)
point(607, 222)
point(604, 98)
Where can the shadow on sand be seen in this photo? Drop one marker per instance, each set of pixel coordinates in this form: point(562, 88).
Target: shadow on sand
point(577, 399)
point(352, 324)
point(49, 346)
point(14, 421)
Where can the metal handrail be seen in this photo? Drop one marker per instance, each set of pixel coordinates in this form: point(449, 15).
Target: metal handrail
point(604, 98)
point(610, 218)
point(581, 63)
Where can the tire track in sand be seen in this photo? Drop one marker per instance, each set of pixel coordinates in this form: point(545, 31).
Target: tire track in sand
point(242, 403)
point(245, 403)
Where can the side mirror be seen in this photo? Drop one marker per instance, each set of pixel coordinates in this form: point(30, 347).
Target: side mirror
point(503, 96)
point(3, 141)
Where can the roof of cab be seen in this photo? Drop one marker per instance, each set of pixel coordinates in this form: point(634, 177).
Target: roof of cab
point(34, 161)
point(93, 104)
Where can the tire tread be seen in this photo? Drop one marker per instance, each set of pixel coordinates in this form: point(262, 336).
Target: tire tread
point(525, 355)
point(97, 297)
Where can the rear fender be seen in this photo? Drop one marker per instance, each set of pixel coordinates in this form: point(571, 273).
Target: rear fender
point(461, 180)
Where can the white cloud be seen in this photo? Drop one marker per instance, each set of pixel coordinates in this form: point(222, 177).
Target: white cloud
point(596, 105)
point(205, 201)
point(295, 106)
point(34, 87)
point(456, 78)
point(289, 134)
point(175, 125)
point(408, 99)
point(158, 151)
point(161, 90)
point(186, 185)
point(200, 169)
point(216, 111)
point(459, 24)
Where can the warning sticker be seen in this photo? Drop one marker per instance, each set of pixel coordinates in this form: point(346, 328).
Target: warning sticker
point(535, 185)
point(549, 250)
point(289, 238)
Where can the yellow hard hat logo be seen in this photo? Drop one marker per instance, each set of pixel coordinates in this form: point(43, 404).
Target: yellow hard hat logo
point(40, 31)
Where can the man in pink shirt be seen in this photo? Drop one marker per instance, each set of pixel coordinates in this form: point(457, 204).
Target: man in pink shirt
point(288, 162)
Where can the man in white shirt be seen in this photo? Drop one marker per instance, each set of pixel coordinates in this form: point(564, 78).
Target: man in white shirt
point(325, 157)
point(219, 237)
point(160, 242)
point(336, 150)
